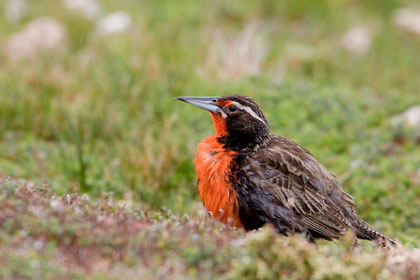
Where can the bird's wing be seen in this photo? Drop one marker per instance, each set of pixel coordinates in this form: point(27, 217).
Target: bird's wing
point(292, 178)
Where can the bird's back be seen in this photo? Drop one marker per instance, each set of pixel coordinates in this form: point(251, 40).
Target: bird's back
point(283, 184)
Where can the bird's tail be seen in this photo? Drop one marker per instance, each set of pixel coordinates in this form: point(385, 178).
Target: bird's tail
point(364, 231)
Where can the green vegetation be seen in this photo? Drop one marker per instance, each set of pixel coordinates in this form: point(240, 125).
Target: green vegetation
point(97, 116)
point(49, 237)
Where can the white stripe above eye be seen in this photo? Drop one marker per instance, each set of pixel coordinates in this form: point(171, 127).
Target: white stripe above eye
point(249, 111)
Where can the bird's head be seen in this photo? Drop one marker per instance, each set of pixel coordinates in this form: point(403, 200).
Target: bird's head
point(239, 122)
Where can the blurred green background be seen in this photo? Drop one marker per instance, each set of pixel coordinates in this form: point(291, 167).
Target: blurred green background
point(93, 106)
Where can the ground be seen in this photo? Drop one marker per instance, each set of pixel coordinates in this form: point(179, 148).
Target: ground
point(46, 236)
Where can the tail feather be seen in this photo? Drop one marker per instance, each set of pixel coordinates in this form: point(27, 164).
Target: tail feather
point(364, 231)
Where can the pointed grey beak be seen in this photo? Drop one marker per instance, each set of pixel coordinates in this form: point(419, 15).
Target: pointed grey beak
point(206, 103)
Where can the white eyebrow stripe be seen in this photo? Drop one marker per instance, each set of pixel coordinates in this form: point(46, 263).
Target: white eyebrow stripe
point(248, 110)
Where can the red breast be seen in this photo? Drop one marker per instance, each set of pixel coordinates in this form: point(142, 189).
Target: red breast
point(213, 167)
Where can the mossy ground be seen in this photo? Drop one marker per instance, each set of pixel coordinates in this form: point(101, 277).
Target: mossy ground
point(46, 236)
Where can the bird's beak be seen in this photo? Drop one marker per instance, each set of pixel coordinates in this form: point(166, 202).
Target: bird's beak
point(206, 103)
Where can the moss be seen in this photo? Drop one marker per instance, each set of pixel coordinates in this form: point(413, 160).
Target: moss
point(73, 237)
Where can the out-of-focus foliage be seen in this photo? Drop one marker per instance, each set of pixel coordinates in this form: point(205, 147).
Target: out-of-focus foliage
point(46, 236)
point(90, 104)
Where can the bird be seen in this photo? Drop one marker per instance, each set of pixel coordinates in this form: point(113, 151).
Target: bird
point(248, 177)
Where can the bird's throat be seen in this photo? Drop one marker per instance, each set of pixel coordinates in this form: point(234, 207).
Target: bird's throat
point(219, 124)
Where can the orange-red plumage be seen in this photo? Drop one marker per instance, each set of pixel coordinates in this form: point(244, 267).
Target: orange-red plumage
point(224, 103)
point(212, 165)
point(219, 125)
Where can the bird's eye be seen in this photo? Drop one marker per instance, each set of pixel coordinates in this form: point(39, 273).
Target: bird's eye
point(232, 108)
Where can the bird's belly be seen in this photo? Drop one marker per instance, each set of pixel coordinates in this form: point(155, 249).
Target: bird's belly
point(213, 168)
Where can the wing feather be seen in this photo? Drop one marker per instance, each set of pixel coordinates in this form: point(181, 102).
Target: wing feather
point(285, 172)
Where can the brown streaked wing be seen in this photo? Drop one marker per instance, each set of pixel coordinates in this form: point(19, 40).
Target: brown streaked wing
point(291, 175)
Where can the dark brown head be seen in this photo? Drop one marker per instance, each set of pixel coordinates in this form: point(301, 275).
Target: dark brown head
point(238, 120)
